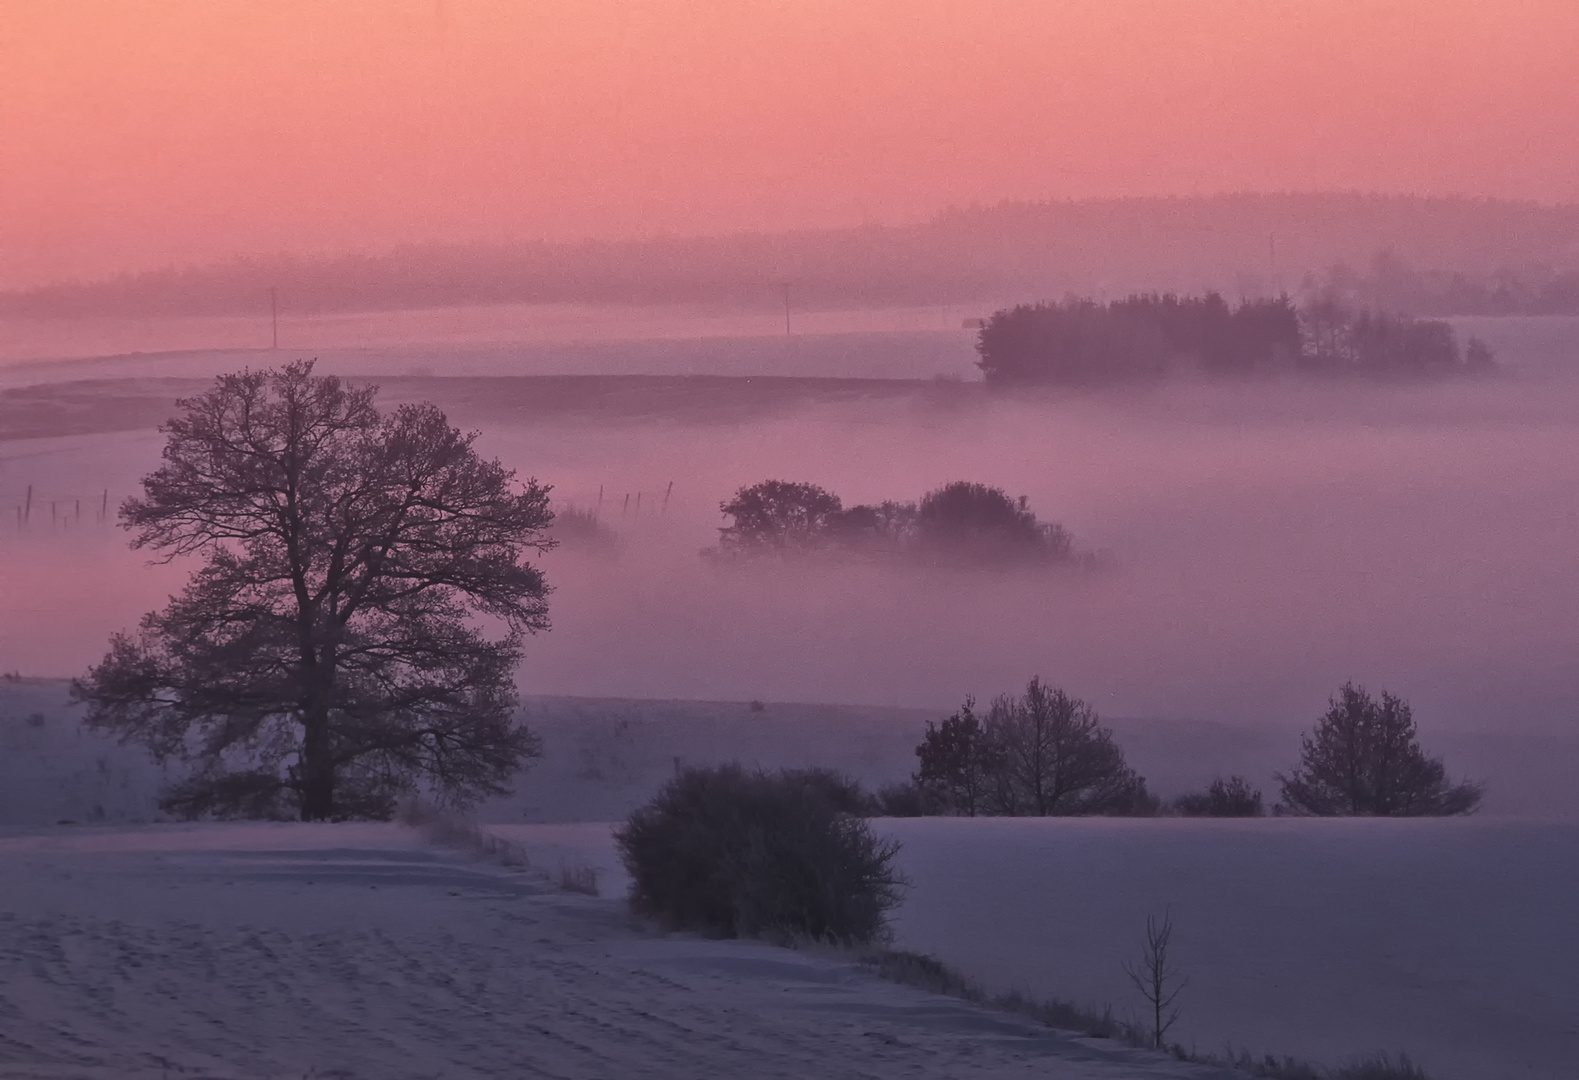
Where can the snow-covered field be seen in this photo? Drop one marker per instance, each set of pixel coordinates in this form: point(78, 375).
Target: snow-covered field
point(352, 951)
point(1453, 941)
point(249, 951)
point(363, 951)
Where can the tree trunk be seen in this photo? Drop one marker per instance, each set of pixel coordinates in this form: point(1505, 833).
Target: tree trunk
point(317, 763)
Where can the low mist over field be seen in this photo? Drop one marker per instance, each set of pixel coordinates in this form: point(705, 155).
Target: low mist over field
point(1260, 543)
point(789, 539)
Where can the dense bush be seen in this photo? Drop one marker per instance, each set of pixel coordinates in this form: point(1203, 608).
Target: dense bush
point(908, 798)
point(1233, 797)
point(1364, 759)
point(738, 853)
point(961, 522)
point(1042, 754)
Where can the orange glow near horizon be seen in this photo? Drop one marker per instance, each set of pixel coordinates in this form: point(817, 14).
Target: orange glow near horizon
point(141, 134)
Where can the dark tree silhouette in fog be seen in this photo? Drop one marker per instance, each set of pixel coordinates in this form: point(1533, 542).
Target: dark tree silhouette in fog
point(1058, 759)
point(1043, 753)
point(957, 761)
point(1150, 335)
point(1364, 758)
point(959, 523)
point(1233, 797)
point(1142, 336)
point(968, 521)
point(777, 515)
point(325, 658)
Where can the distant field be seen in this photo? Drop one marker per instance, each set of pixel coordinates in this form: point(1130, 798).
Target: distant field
point(99, 406)
point(606, 756)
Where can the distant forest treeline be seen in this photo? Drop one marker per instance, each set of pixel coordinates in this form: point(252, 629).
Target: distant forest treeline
point(1150, 335)
point(1242, 245)
point(1393, 284)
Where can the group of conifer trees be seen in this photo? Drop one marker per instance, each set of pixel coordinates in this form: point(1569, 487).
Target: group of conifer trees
point(1152, 335)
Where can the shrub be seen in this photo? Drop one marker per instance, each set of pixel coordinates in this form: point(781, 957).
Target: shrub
point(1233, 797)
point(578, 878)
point(908, 798)
point(1364, 759)
point(736, 853)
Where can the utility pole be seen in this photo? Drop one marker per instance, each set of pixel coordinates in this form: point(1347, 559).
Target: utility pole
point(274, 317)
point(786, 309)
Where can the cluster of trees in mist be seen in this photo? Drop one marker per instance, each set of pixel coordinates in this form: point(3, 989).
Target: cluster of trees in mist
point(1391, 283)
point(1151, 335)
point(1047, 754)
point(960, 522)
point(968, 255)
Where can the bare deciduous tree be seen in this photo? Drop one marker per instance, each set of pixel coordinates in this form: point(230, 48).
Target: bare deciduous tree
point(1057, 757)
point(1364, 758)
point(325, 658)
point(1158, 981)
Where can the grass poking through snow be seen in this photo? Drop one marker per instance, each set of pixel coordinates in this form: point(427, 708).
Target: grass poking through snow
point(929, 973)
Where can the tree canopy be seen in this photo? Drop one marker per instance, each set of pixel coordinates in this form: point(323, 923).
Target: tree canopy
point(778, 515)
point(328, 655)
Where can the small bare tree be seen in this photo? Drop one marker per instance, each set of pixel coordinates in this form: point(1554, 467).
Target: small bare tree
point(1158, 981)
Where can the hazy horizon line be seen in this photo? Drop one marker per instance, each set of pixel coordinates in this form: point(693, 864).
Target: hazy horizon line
point(947, 214)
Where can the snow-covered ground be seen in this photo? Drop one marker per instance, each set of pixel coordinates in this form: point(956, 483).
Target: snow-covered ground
point(248, 951)
point(1453, 941)
point(354, 951)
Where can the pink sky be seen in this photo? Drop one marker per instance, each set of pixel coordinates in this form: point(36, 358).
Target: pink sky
point(138, 134)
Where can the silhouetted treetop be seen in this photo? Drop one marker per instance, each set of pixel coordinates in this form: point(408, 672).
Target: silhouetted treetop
point(981, 522)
